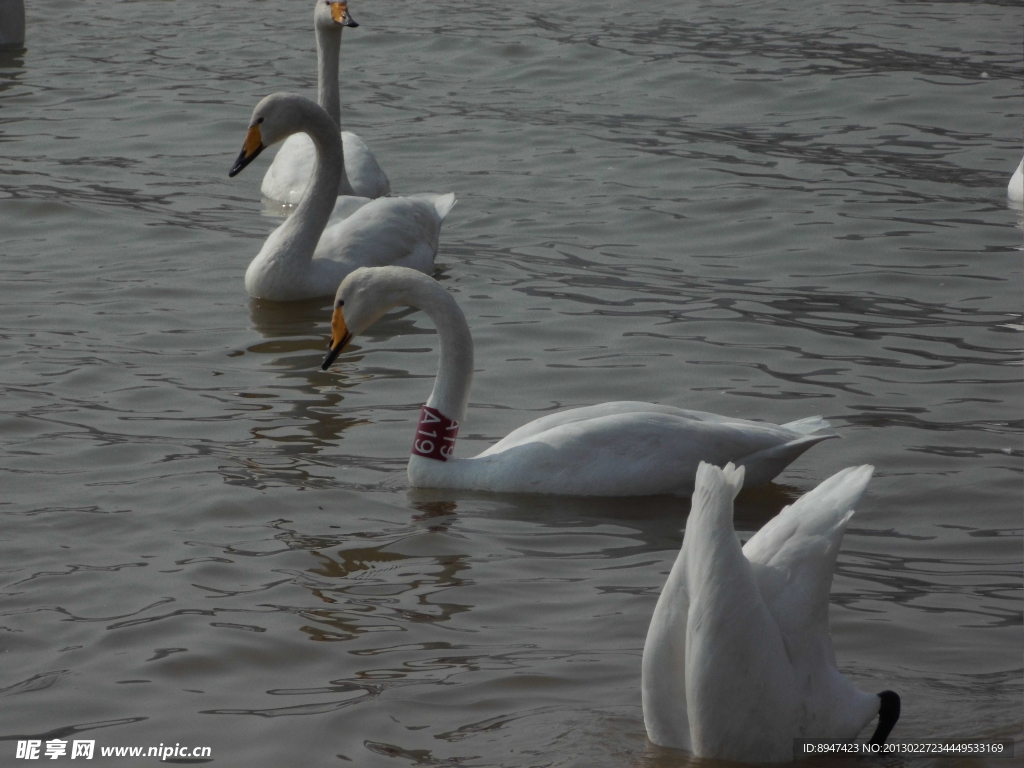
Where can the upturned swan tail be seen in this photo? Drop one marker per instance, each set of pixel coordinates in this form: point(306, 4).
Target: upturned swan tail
point(715, 489)
point(710, 543)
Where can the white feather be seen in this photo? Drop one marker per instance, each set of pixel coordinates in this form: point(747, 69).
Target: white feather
point(327, 237)
point(738, 660)
point(612, 449)
point(1015, 189)
point(289, 174)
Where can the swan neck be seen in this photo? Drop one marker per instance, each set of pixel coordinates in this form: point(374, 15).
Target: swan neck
point(328, 54)
point(303, 228)
point(455, 367)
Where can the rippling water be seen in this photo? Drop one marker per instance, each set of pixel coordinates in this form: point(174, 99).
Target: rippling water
point(763, 210)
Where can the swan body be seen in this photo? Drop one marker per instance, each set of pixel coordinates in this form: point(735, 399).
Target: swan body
point(738, 660)
point(289, 174)
point(1015, 189)
point(621, 449)
point(612, 449)
point(327, 236)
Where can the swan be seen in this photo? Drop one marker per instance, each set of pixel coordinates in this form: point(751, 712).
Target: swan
point(12, 23)
point(738, 660)
point(1015, 189)
point(292, 168)
point(612, 449)
point(304, 257)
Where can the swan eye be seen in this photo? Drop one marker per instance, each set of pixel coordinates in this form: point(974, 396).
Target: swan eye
point(341, 303)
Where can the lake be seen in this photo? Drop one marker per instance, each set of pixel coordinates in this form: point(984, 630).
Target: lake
point(764, 210)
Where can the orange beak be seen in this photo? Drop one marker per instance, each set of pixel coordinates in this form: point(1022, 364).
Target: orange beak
point(250, 149)
point(340, 14)
point(340, 337)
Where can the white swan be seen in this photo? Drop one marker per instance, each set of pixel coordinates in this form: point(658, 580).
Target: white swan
point(289, 174)
point(1015, 189)
point(613, 449)
point(305, 258)
point(738, 660)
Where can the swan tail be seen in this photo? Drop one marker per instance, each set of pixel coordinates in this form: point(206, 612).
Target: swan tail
point(711, 509)
point(444, 204)
point(714, 560)
point(812, 425)
point(764, 466)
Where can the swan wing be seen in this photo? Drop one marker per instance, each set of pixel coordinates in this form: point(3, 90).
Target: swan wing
point(740, 690)
point(632, 448)
point(614, 451)
point(364, 173)
point(813, 426)
point(793, 558)
point(795, 552)
point(345, 206)
point(560, 418)
point(288, 175)
point(663, 669)
point(400, 231)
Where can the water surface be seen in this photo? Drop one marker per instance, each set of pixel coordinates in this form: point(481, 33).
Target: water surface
point(768, 211)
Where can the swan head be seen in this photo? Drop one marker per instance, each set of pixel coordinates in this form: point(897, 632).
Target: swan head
point(332, 15)
point(275, 118)
point(364, 297)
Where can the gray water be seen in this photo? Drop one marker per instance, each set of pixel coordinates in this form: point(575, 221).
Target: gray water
point(765, 210)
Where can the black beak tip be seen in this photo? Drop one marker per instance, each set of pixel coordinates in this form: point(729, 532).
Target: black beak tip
point(353, 23)
point(888, 715)
point(331, 357)
point(243, 161)
point(334, 351)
